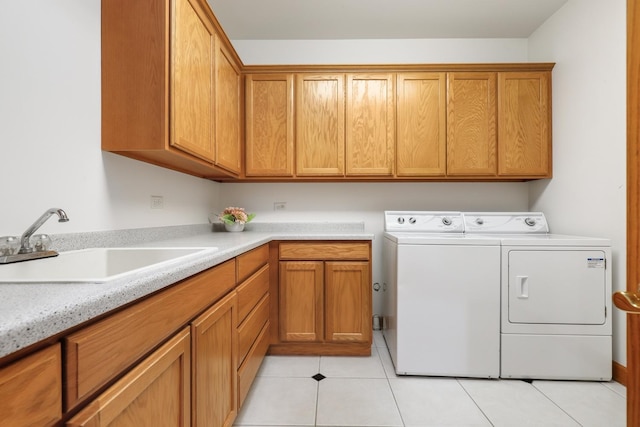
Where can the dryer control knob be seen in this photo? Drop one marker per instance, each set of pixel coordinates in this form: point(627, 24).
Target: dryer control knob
point(446, 220)
point(479, 221)
point(530, 222)
point(400, 220)
point(412, 220)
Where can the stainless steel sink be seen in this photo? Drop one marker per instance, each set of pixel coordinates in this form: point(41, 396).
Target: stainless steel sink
point(95, 265)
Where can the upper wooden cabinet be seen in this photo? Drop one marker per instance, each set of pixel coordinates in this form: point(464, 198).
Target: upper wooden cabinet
point(228, 113)
point(269, 125)
point(370, 124)
point(320, 116)
point(170, 87)
point(421, 116)
point(192, 92)
point(524, 131)
point(471, 124)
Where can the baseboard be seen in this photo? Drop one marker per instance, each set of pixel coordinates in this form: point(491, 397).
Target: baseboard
point(620, 373)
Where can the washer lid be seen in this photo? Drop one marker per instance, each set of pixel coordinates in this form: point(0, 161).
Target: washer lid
point(424, 221)
point(505, 222)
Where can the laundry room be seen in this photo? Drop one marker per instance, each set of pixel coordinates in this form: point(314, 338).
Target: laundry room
point(52, 103)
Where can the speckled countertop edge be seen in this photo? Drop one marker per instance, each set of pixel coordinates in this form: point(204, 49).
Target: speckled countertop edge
point(30, 313)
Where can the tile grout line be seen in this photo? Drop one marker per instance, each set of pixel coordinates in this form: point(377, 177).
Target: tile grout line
point(554, 403)
point(474, 402)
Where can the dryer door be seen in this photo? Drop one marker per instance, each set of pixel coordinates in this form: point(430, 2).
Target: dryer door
point(557, 286)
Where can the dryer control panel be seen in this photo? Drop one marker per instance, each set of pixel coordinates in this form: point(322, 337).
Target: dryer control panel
point(506, 222)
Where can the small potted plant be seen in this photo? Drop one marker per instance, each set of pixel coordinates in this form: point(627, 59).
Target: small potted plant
point(235, 218)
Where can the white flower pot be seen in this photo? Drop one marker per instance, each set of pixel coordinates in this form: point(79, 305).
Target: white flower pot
point(234, 226)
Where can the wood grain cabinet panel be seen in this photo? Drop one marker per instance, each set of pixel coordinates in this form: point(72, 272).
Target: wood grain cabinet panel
point(251, 292)
point(155, 393)
point(348, 301)
point(269, 125)
point(251, 261)
point(214, 372)
point(228, 116)
point(422, 133)
point(301, 304)
point(192, 84)
point(524, 134)
point(31, 390)
point(250, 328)
point(370, 124)
point(320, 120)
point(471, 124)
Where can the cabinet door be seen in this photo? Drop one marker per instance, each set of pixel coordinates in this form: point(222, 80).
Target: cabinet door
point(227, 110)
point(348, 301)
point(320, 125)
point(471, 124)
point(154, 393)
point(301, 301)
point(215, 365)
point(192, 95)
point(269, 125)
point(421, 146)
point(524, 131)
point(370, 124)
point(31, 390)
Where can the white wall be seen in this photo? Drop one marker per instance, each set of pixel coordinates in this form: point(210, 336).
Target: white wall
point(50, 132)
point(587, 195)
point(396, 51)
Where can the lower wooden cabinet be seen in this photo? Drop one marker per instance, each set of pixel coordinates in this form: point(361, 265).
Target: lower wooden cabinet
point(214, 364)
point(155, 393)
point(324, 298)
point(31, 390)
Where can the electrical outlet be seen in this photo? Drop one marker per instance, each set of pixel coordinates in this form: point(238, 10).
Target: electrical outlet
point(279, 206)
point(157, 202)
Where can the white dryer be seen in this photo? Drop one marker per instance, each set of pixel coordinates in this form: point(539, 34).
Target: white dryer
point(441, 311)
point(555, 298)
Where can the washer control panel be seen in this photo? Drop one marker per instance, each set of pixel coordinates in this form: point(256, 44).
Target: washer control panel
point(506, 222)
point(424, 221)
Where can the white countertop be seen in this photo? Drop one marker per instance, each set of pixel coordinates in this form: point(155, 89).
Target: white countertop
point(33, 312)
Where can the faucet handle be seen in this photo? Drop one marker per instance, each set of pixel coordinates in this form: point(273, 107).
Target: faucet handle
point(41, 242)
point(9, 245)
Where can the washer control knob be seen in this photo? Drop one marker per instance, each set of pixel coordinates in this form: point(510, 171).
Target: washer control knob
point(479, 221)
point(400, 220)
point(412, 220)
point(530, 221)
point(446, 220)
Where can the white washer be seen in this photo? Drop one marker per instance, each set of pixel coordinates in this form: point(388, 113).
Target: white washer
point(441, 296)
point(556, 298)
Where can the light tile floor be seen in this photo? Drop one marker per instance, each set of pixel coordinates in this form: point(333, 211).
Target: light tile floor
point(364, 391)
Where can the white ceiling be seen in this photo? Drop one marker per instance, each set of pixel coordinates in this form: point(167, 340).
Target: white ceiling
point(381, 19)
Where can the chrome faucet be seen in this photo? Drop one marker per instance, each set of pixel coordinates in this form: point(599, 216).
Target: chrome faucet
point(25, 244)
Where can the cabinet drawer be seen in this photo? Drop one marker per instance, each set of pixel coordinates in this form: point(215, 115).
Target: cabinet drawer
point(31, 390)
point(250, 261)
point(250, 328)
point(154, 393)
point(100, 352)
point(325, 251)
point(252, 291)
point(252, 362)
